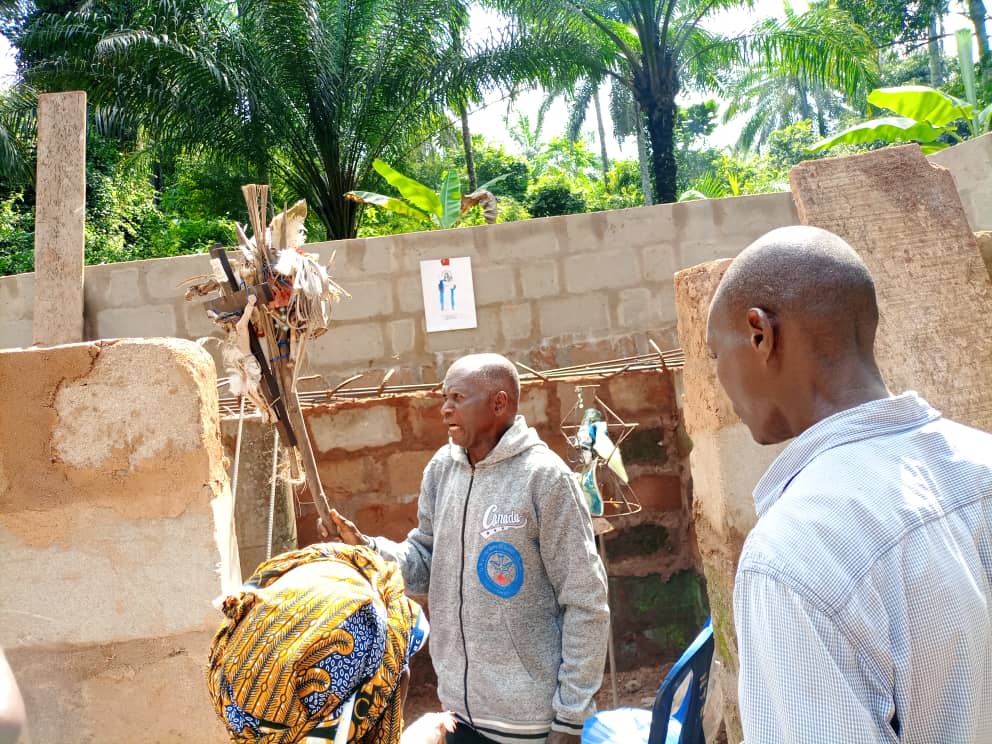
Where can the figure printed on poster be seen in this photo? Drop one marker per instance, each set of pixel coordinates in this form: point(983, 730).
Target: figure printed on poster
point(449, 295)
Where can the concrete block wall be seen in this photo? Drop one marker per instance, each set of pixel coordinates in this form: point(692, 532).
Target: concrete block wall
point(114, 518)
point(549, 292)
point(371, 455)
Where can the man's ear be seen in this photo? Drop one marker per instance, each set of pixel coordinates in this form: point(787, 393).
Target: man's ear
point(761, 327)
point(500, 401)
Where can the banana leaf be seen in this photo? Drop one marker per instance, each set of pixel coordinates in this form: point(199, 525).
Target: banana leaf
point(922, 104)
point(387, 202)
point(451, 199)
point(411, 190)
point(887, 129)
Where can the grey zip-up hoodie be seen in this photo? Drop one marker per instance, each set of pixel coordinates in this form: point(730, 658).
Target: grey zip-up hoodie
point(517, 592)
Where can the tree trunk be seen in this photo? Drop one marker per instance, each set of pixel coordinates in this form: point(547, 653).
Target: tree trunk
point(976, 10)
point(467, 144)
point(933, 47)
point(602, 134)
point(642, 155)
point(661, 110)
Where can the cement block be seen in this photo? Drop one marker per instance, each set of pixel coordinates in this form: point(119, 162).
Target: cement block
point(368, 300)
point(638, 308)
point(493, 283)
point(17, 297)
point(485, 337)
point(353, 429)
point(970, 164)
point(406, 470)
point(516, 321)
point(136, 322)
point(575, 314)
point(15, 333)
point(359, 257)
point(410, 294)
point(163, 276)
point(539, 279)
point(123, 286)
point(428, 244)
point(659, 261)
point(602, 270)
point(351, 478)
point(351, 343)
point(527, 239)
point(403, 335)
point(534, 405)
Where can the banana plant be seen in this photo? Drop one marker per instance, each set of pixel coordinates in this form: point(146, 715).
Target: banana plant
point(924, 114)
point(442, 209)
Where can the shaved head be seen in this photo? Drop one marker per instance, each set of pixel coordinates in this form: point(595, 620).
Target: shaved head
point(498, 372)
point(792, 329)
point(481, 393)
point(809, 274)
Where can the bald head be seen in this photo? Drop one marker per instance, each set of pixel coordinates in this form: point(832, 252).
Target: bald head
point(809, 274)
point(792, 329)
point(494, 370)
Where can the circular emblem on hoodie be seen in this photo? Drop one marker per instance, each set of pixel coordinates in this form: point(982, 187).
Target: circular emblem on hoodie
point(501, 569)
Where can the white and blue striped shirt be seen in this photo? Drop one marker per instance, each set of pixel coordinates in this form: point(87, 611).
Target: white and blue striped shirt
point(863, 599)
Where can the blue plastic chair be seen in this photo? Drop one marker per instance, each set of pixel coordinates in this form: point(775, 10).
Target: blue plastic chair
point(661, 725)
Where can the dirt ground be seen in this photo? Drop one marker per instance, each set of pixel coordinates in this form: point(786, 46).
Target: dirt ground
point(635, 689)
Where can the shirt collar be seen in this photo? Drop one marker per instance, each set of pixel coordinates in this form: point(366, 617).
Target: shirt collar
point(871, 419)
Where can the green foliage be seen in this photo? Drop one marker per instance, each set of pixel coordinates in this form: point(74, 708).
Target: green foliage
point(926, 115)
point(554, 197)
point(16, 235)
point(442, 209)
point(790, 145)
point(492, 162)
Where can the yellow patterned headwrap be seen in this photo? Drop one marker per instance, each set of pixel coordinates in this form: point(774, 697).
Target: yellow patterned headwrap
point(284, 660)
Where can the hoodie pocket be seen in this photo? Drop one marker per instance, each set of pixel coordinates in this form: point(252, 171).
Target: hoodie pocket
point(538, 649)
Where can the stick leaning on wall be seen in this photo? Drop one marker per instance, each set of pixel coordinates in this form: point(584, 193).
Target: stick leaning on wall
point(287, 296)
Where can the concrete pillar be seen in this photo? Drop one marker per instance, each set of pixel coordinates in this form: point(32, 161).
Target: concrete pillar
point(116, 535)
point(904, 217)
point(60, 215)
point(726, 464)
point(935, 301)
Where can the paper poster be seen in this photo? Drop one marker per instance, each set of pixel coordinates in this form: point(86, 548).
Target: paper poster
point(449, 297)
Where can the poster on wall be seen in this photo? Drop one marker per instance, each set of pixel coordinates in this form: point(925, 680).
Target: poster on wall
point(449, 297)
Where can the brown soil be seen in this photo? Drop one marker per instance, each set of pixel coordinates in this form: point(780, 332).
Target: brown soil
point(635, 689)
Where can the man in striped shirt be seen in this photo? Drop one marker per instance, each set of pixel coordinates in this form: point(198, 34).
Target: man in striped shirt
point(863, 598)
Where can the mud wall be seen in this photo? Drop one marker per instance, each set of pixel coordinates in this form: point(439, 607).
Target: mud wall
point(114, 518)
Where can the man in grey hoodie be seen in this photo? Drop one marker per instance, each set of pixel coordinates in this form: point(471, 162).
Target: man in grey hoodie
point(504, 549)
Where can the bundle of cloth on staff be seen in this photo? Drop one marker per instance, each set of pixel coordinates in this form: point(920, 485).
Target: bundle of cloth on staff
point(273, 283)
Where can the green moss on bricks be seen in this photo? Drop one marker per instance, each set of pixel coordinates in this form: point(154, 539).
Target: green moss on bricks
point(645, 447)
point(667, 613)
point(644, 539)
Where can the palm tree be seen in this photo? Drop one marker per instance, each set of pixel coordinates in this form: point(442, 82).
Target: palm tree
point(773, 100)
point(665, 46)
point(309, 92)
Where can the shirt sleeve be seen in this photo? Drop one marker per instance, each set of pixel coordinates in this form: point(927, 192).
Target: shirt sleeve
point(568, 551)
point(801, 679)
point(415, 552)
